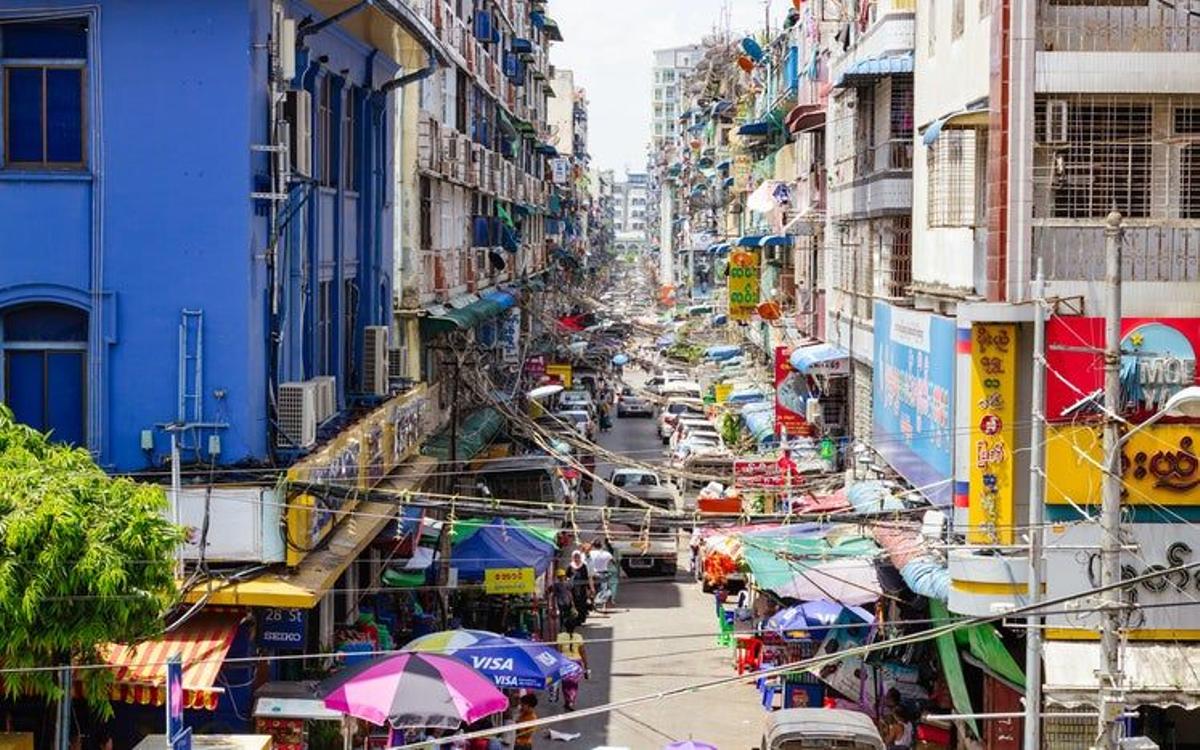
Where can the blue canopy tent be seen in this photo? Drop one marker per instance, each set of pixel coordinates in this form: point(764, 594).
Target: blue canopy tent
point(722, 353)
point(820, 359)
point(502, 543)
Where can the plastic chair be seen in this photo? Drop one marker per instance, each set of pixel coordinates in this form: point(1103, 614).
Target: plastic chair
point(749, 654)
point(725, 637)
point(769, 690)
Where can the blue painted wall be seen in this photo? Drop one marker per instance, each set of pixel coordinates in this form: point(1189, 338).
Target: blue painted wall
point(162, 220)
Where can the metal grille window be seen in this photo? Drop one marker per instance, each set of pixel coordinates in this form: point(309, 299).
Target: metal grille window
point(1186, 127)
point(426, 213)
point(349, 173)
point(953, 161)
point(1095, 156)
point(896, 256)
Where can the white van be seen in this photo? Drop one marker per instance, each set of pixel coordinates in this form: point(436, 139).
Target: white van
point(681, 389)
point(820, 728)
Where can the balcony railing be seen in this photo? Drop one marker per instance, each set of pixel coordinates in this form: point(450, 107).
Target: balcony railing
point(1075, 252)
point(1149, 27)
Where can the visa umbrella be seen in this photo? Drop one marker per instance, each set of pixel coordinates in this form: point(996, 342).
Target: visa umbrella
point(412, 690)
point(511, 663)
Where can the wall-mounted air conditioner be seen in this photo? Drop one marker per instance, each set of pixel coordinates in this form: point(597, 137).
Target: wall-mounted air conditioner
point(375, 360)
point(297, 415)
point(326, 397)
point(398, 363)
point(243, 524)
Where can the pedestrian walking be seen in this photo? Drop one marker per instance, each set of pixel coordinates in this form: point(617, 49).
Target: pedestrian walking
point(581, 585)
point(694, 544)
point(570, 644)
point(599, 561)
point(527, 713)
point(564, 598)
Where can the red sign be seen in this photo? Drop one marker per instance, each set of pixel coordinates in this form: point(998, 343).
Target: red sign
point(761, 473)
point(1160, 352)
point(791, 392)
point(990, 424)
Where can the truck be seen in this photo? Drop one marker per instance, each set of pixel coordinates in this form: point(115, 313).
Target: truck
point(659, 555)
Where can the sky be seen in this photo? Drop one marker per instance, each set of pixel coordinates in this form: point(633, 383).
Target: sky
point(609, 45)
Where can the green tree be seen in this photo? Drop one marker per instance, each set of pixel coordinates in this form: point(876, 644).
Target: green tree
point(85, 560)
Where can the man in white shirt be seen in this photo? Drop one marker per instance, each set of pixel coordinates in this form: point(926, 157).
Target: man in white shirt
point(599, 560)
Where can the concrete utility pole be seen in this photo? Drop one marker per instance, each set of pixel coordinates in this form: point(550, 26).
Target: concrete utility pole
point(1037, 484)
point(1110, 517)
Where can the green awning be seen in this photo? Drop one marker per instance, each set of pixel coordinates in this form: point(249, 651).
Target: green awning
point(553, 32)
point(475, 433)
point(778, 560)
point(466, 318)
point(506, 123)
point(952, 668)
point(464, 529)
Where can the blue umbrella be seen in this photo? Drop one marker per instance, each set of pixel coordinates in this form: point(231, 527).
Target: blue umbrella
point(621, 360)
point(810, 619)
point(510, 663)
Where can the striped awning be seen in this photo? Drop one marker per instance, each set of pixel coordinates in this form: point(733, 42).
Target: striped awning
point(203, 643)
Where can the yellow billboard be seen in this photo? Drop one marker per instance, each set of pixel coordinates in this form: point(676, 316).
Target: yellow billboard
point(743, 283)
point(993, 417)
point(509, 581)
point(356, 459)
point(562, 372)
point(1159, 465)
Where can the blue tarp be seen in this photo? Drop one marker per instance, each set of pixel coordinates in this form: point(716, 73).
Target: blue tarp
point(500, 544)
point(762, 127)
point(874, 68)
point(719, 248)
point(748, 396)
point(760, 422)
point(776, 240)
point(722, 353)
point(749, 240)
point(809, 358)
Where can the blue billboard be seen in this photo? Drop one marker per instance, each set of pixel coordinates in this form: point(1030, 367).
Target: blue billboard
point(912, 400)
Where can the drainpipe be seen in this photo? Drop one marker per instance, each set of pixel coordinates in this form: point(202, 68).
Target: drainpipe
point(431, 65)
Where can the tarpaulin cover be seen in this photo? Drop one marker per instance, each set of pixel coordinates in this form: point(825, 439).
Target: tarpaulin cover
point(465, 529)
point(986, 646)
point(760, 422)
point(836, 563)
point(952, 668)
point(500, 544)
point(475, 433)
point(722, 353)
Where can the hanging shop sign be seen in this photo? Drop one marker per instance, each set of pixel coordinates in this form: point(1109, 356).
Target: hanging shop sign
point(509, 336)
point(993, 418)
point(359, 457)
point(560, 373)
point(756, 473)
point(743, 284)
point(1158, 358)
point(1160, 465)
point(535, 368)
point(509, 581)
point(913, 394)
point(1073, 567)
point(791, 395)
point(560, 170)
point(282, 629)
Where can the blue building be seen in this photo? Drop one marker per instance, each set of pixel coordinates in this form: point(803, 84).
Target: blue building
point(195, 202)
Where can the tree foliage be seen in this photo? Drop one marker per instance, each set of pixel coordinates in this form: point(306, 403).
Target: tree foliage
point(85, 560)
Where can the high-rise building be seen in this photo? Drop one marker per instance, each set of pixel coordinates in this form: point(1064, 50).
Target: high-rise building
point(671, 68)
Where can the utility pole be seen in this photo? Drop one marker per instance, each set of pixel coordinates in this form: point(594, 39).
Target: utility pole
point(1037, 429)
point(1110, 517)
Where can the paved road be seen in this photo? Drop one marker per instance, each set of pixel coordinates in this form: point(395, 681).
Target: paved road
point(661, 614)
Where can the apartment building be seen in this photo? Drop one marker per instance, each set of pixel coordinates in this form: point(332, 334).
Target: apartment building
point(631, 197)
point(671, 68)
point(868, 141)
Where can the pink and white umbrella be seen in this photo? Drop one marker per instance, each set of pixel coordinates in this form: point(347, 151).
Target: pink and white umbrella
point(413, 690)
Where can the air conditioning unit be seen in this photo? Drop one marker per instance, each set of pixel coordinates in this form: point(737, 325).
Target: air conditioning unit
point(297, 109)
point(485, 171)
point(326, 397)
point(449, 152)
point(398, 363)
point(297, 415)
point(476, 165)
point(375, 360)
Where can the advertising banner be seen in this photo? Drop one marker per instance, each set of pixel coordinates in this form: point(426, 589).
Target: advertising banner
point(510, 335)
point(1073, 567)
point(913, 397)
point(283, 629)
point(1158, 359)
point(1159, 465)
point(791, 396)
point(743, 283)
point(993, 418)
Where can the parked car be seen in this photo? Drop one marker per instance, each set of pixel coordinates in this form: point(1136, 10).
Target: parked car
point(675, 408)
point(688, 428)
point(811, 728)
point(660, 553)
point(635, 406)
point(576, 399)
point(581, 419)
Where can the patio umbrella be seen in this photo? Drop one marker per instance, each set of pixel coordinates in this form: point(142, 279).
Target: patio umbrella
point(413, 690)
point(621, 360)
point(690, 745)
point(812, 618)
point(509, 662)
